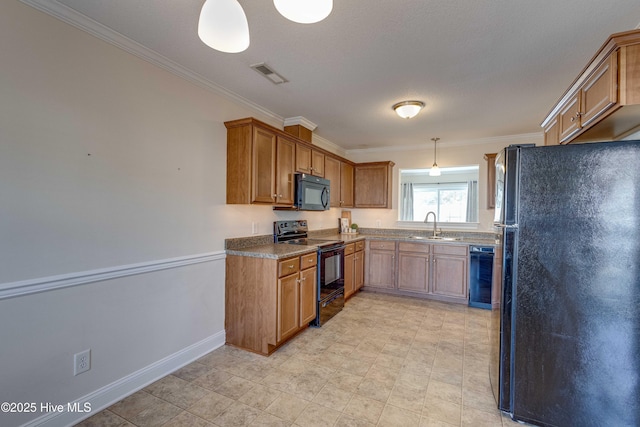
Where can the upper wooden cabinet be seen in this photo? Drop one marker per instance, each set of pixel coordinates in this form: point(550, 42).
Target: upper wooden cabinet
point(603, 103)
point(491, 179)
point(373, 184)
point(340, 175)
point(346, 185)
point(260, 164)
point(309, 161)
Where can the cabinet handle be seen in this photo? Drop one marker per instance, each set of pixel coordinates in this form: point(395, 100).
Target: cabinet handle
point(291, 266)
point(280, 195)
point(310, 260)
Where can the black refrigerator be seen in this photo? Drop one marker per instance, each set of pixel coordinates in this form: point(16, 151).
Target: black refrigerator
point(566, 336)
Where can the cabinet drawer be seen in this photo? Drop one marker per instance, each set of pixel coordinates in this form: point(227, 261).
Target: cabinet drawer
point(449, 249)
point(385, 245)
point(359, 245)
point(288, 266)
point(308, 261)
point(349, 249)
point(414, 247)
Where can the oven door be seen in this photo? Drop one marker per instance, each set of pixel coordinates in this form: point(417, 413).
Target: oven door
point(330, 271)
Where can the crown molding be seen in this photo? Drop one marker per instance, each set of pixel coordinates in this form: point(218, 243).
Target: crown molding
point(509, 139)
point(84, 23)
point(299, 120)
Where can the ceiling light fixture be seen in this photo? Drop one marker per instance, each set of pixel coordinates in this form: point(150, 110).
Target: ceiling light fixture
point(223, 26)
point(408, 109)
point(435, 170)
point(304, 11)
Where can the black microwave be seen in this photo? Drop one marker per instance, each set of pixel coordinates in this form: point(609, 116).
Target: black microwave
point(312, 193)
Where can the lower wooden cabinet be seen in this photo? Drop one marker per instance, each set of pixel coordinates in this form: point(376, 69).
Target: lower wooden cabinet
point(353, 268)
point(267, 301)
point(450, 271)
point(437, 271)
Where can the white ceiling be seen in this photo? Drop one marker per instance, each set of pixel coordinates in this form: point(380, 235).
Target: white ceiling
point(484, 68)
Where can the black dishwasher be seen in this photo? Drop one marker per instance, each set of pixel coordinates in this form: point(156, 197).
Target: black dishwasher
point(480, 276)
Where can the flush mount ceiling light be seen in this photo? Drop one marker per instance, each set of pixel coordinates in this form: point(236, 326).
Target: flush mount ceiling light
point(408, 109)
point(435, 170)
point(304, 11)
point(223, 26)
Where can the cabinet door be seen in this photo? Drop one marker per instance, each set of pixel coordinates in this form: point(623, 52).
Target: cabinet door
point(285, 165)
point(358, 277)
point(413, 272)
point(491, 179)
point(600, 92)
point(308, 295)
point(551, 133)
point(303, 159)
point(569, 119)
point(381, 269)
point(346, 185)
point(264, 166)
point(288, 306)
point(450, 276)
point(373, 185)
point(349, 275)
point(317, 163)
point(332, 173)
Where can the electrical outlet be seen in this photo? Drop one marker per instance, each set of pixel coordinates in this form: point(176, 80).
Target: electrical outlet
point(378, 223)
point(254, 228)
point(81, 362)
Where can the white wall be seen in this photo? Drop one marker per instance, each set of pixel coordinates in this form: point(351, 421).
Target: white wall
point(109, 166)
point(462, 153)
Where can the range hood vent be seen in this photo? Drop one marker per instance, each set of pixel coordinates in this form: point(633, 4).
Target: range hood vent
point(266, 71)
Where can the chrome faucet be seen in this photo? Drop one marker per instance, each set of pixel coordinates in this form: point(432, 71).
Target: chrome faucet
point(435, 223)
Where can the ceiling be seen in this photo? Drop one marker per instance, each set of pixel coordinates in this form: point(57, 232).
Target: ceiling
point(484, 68)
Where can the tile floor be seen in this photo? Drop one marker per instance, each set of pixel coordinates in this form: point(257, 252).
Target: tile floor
point(382, 361)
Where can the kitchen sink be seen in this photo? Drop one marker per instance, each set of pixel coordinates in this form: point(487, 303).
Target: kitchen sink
point(448, 239)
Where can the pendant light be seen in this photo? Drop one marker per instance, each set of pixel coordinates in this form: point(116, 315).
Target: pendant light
point(435, 170)
point(304, 11)
point(223, 26)
point(408, 109)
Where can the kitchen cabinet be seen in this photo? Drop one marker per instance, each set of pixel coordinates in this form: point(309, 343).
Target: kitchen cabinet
point(346, 185)
point(267, 301)
point(552, 133)
point(491, 179)
point(603, 102)
point(373, 184)
point(353, 268)
point(381, 264)
point(450, 271)
point(309, 161)
point(427, 270)
point(340, 174)
point(260, 165)
point(414, 267)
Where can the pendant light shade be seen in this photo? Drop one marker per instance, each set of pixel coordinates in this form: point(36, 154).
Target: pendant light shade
point(223, 26)
point(408, 109)
point(435, 170)
point(304, 11)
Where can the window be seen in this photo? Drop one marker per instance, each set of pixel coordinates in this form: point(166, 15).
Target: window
point(453, 196)
point(447, 200)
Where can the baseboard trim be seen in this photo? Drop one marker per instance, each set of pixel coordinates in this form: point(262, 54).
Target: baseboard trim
point(116, 391)
point(43, 284)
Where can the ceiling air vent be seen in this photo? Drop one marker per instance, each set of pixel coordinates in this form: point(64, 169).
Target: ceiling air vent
point(267, 72)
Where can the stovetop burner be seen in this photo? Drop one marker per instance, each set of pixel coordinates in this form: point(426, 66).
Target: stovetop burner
point(295, 233)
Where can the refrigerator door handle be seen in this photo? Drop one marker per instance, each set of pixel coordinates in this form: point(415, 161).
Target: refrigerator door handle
point(510, 226)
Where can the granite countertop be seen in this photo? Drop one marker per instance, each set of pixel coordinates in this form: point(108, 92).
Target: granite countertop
point(273, 251)
point(282, 251)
